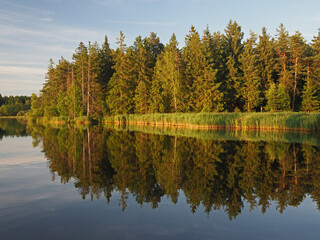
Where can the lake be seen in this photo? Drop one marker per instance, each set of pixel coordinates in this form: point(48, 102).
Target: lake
point(104, 182)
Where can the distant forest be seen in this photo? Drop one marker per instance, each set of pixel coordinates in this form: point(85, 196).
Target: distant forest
point(14, 105)
point(213, 72)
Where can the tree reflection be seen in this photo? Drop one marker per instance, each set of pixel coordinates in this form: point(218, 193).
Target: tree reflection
point(214, 174)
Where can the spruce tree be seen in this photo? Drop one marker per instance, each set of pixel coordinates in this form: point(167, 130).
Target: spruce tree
point(251, 91)
point(168, 76)
point(271, 96)
point(121, 86)
point(310, 99)
point(142, 69)
point(62, 104)
point(283, 98)
point(141, 98)
point(210, 98)
point(266, 62)
point(159, 100)
point(282, 47)
point(193, 59)
point(232, 84)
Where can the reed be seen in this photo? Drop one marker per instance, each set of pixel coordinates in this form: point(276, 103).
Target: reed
point(261, 121)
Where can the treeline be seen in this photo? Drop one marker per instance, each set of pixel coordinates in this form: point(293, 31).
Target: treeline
point(213, 72)
point(14, 105)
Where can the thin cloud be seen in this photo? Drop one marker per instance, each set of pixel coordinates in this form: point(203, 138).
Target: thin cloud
point(68, 34)
point(8, 62)
point(106, 2)
point(23, 7)
point(13, 16)
point(14, 70)
point(147, 23)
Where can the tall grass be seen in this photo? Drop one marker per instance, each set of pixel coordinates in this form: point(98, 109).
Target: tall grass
point(261, 121)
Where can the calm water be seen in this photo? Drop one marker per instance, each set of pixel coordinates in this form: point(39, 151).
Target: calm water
point(102, 183)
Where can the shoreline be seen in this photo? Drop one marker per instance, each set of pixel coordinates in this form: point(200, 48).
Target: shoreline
point(269, 121)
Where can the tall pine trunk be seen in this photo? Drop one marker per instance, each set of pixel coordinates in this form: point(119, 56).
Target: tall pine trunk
point(88, 87)
point(295, 83)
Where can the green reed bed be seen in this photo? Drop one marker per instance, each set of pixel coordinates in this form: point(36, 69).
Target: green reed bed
point(262, 121)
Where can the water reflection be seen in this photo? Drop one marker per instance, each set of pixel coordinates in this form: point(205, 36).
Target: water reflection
point(214, 173)
point(12, 127)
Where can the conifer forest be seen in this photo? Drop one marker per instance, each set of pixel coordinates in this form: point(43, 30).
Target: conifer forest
point(213, 72)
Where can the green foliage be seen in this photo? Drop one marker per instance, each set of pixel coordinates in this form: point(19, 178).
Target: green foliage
point(121, 86)
point(251, 89)
point(310, 102)
point(62, 106)
point(36, 107)
point(271, 96)
point(213, 72)
point(168, 80)
point(278, 98)
point(283, 98)
point(12, 105)
point(283, 52)
point(266, 60)
point(232, 84)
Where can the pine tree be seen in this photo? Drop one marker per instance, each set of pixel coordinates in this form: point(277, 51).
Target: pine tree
point(80, 58)
point(58, 79)
point(315, 67)
point(298, 48)
point(251, 80)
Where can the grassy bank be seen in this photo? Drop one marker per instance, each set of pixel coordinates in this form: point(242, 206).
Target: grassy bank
point(260, 121)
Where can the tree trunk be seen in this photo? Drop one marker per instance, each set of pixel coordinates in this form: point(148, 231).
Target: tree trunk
point(74, 95)
point(295, 83)
point(88, 87)
point(82, 86)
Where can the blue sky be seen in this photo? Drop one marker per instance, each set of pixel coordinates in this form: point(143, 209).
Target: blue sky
point(33, 31)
